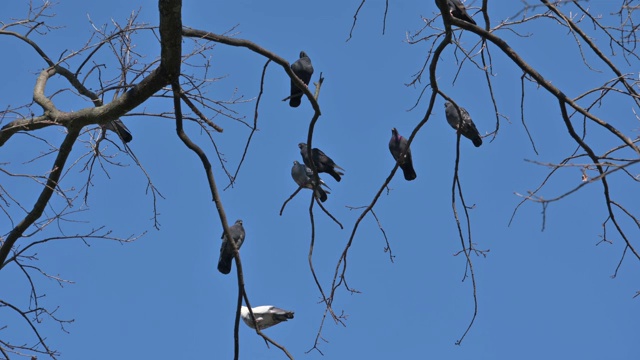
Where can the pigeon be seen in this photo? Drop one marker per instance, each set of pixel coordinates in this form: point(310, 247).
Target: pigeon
point(467, 128)
point(236, 231)
point(323, 163)
point(302, 176)
point(458, 11)
point(397, 145)
point(118, 127)
point(303, 69)
point(266, 316)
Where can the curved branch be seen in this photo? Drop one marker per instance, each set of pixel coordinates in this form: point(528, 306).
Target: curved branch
point(258, 49)
point(467, 251)
point(513, 55)
point(594, 48)
point(45, 195)
point(603, 179)
point(23, 314)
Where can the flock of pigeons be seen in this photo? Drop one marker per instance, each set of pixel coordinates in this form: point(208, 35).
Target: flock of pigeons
point(458, 117)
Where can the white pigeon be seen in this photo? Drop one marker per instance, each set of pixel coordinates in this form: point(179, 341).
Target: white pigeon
point(266, 316)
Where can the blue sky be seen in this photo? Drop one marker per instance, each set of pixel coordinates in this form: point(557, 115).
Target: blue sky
point(541, 294)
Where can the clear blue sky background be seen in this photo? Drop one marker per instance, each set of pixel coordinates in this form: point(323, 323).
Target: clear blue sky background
point(541, 294)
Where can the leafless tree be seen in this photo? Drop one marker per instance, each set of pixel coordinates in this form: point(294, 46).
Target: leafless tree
point(180, 77)
point(608, 165)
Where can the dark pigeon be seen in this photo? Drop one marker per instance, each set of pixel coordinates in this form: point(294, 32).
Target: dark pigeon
point(467, 128)
point(118, 127)
point(266, 316)
point(303, 69)
point(323, 163)
point(397, 145)
point(236, 231)
point(458, 11)
point(302, 176)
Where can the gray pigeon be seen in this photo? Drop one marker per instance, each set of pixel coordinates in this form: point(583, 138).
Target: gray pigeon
point(458, 11)
point(302, 176)
point(323, 163)
point(266, 316)
point(303, 69)
point(236, 231)
point(118, 127)
point(397, 145)
point(467, 128)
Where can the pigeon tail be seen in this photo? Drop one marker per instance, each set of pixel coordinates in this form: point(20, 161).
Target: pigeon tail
point(284, 317)
point(295, 101)
point(224, 264)
point(409, 172)
point(321, 194)
point(335, 174)
point(470, 20)
point(458, 11)
point(119, 128)
point(122, 131)
point(470, 131)
point(126, 137)
point(463, 16)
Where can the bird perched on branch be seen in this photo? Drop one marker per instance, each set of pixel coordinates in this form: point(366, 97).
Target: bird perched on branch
point(236, 231)
point(458, 11)
point(397, 146)
point(117, 126)
point(466, 127)
point(323, 163)
point(302, 175)
point(303, 69)
point(266, 316)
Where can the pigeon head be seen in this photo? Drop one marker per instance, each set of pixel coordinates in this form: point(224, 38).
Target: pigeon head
point(303, 54)
point(302, 146)
point(295, 163)
point(448, 106)
point(239, 221)
point(395, 134)
point(244, 311)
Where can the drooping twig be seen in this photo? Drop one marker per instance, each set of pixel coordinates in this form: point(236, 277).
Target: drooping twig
point(466, 250)
point(255, 123)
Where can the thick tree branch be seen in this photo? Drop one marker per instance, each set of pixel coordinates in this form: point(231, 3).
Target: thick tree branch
point(258, 49)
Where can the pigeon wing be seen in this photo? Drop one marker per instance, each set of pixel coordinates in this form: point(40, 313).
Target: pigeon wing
point(469, 130)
